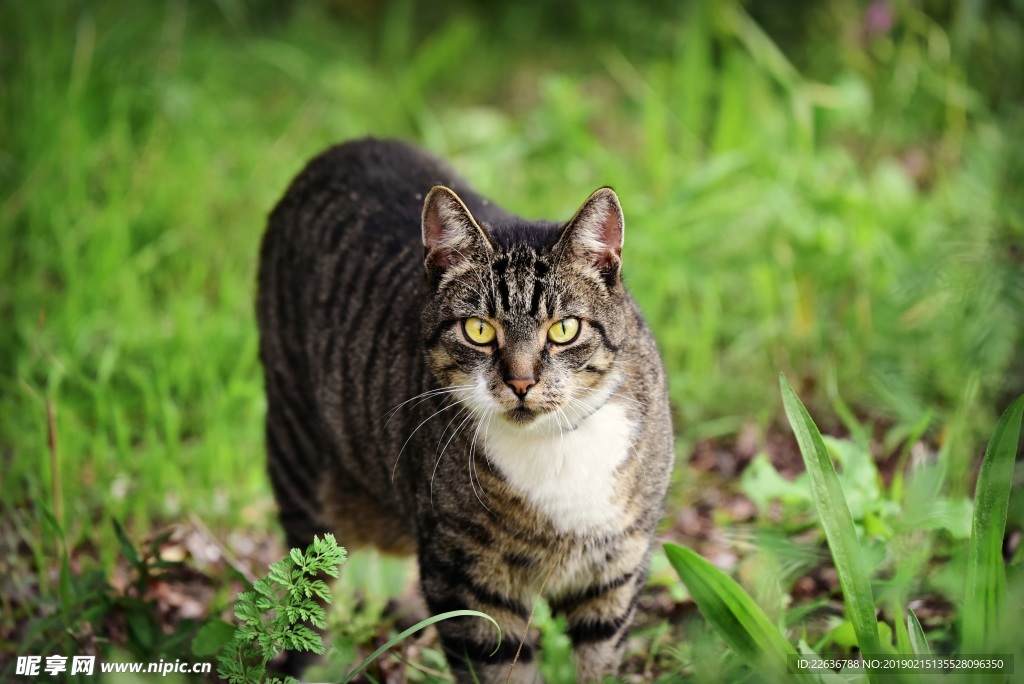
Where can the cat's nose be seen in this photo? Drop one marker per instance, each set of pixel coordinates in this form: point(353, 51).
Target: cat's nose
point(521, 385)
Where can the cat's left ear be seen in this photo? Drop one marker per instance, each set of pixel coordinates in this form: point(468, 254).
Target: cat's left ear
point(450, 233)
point(596, 232)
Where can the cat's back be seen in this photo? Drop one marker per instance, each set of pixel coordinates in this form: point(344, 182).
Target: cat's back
point(367, 190)
point(341, 259)
point(338, 304)
point(348, 225)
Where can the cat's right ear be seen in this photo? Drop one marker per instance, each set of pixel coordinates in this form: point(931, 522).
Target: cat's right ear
point(450, 233)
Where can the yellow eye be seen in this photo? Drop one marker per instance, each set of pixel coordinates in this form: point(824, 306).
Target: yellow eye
point(478, 331)
point(564, 331)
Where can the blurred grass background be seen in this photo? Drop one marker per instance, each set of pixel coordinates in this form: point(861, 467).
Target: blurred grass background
point(834, 190)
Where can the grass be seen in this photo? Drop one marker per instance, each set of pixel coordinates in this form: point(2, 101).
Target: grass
point(984, 627)
point(844, 208)
point(837, 522)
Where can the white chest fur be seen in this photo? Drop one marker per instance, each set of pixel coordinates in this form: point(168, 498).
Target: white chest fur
point(569, 475)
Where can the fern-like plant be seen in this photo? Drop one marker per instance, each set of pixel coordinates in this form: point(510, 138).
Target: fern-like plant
point(274, 615)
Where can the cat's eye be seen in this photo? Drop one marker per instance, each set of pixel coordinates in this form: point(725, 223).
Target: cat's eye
point(564, 331)
point(478, 331)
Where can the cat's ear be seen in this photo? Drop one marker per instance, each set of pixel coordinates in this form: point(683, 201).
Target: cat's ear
point(595, 233)
point(450, 233)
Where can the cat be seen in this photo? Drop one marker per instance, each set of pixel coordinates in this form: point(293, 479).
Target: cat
point(448, 380)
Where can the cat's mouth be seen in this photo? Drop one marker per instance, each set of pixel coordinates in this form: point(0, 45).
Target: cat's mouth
point(520, 415)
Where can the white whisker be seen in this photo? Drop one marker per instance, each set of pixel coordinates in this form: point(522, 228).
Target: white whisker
point(580, 417)
point(618, 395)
point(561, 440)
point(423, 396)
point(632, 447)
point(487, 429)
point(472, 463)
point(469, 415)
point(445, 431)
point(445, 408)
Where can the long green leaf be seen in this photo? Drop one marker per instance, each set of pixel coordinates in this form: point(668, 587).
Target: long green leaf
point(731, 611)
point(903, 644)
point(415, 628)
point(986, 575)
point(127, 548)
point(837, 521)
point(918, 643)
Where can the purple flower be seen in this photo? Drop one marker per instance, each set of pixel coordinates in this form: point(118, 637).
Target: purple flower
point(878, 18)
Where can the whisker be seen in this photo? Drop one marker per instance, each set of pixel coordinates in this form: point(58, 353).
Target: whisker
point(469, 415)
point(486, 422)
point(561, 439)
point(580, 416)
point(390, 413)
point(618, 395)
point(472, 464)
point(487, 430)
point(601, 390)
point(445, 431)
point(632, 447)
point(395, 467)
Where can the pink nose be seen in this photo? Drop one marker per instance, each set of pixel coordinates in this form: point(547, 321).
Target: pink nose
point(521, 386)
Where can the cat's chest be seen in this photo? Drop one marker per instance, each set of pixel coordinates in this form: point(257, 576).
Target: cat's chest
point(569, 476)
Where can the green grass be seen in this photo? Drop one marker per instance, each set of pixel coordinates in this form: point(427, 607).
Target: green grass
point(837, 522)
point(841, 208)
point(984, 625)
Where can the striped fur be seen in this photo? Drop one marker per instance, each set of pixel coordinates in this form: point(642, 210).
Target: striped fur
point(511, 469)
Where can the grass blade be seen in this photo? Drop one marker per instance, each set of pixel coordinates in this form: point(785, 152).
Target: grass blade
point(415, 628)
point(837, 521)
point(731, 611)
point(986, 575)
point(918, 644)
point(903, 644)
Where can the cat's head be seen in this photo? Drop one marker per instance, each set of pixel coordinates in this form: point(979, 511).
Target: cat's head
point(525, 319)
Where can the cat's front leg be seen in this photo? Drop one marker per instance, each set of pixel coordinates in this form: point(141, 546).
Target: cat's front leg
point(471, 644)
point(599, 618)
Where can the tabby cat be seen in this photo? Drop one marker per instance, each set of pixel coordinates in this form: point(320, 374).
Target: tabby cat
point(446, 379)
